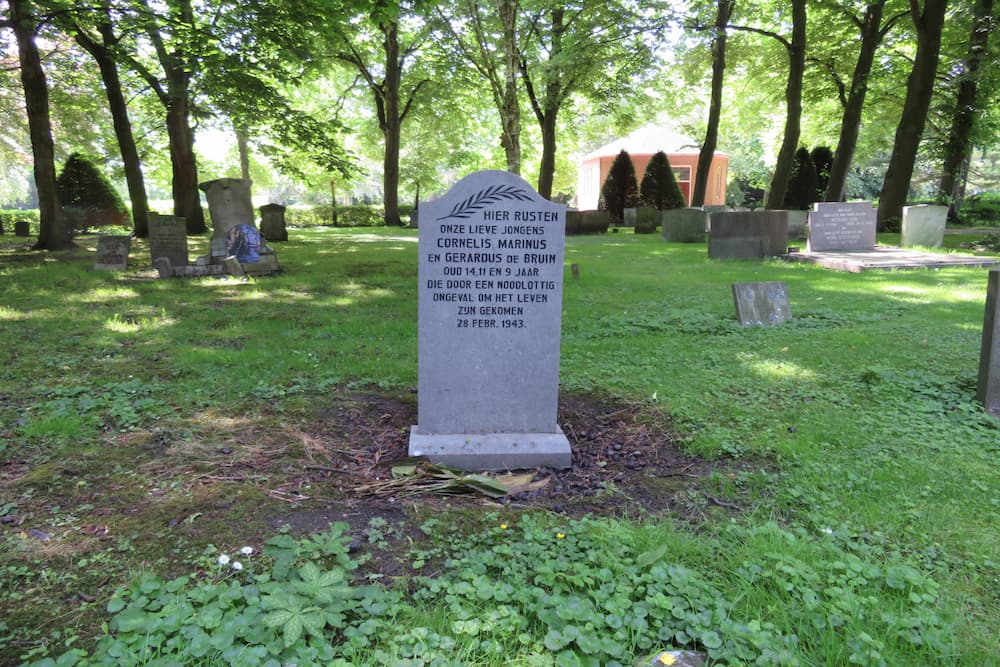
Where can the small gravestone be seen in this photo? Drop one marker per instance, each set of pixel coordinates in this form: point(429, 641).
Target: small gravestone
point(761, 303)
point(845, 227)
point(272, 222)
point(168, 238)
point(163, 267)
point(923, 225)
point(22, 228)
point(798, 224)
point(683, 225)
point(594, 222)
point(646, 219)
point(490, 305)
point(628, 217)
point(747, 235)
point(988, 388)
point(112, 252)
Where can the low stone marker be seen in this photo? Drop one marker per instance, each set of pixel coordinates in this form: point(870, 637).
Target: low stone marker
point(923, 225)
point(798, 225)
point(112, 252)
point(272, 222)
point(837, 226)
point(22, 228)
point(683, 225)
point(988, 387)
point(761, 303)
point(747, 235)
point(490, 306)
point(168, 238)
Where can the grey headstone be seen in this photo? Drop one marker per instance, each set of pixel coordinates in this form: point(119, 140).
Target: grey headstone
point(112, 252)
point(163, 267)
point(22, 228)
point(272, 222)
point(628, 217)
point(646, 219)
point(229, 204)
point(594, 222)
point(923, 225)
point(490, 303)
point(842, 226)
point(761, 303)
point(798, 224)
point(683, 225)
point(988, 389)
point(168, 238)
point(748, 235)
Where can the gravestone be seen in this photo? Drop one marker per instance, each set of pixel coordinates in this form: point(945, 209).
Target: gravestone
point(683, 225)
point(168, 238)
point(22, 228)
point(798, 222)
point(594, 222)
point(490, 304)
point(747, 235)
point(272, 222)
point(646, 219)
point(628, 217)
point(761, 303)
point(846, 227)
point(923, 225)
point(233, 229)
point(988, 387)
point(112, 252)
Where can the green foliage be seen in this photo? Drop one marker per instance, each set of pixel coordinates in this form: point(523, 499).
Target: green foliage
point(822, 159)
point(981, 210)
point(802, 182)
point(83, 188)
point(659, 187)
point(359, 215)
point(620, 190)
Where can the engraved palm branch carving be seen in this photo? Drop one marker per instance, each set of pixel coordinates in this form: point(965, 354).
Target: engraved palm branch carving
point(485, 197)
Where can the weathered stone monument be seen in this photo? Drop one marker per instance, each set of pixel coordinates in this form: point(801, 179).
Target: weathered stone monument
point(490, 305)
point(761, 303)
point(747, 234)
point(22, 228)
point(168, 239)
point(798, 225)
point(112, 252)
point(923, 225)
point(234, 232)
point(835, 226)
point(988, 388)
point(683, 225)
point(272, 222)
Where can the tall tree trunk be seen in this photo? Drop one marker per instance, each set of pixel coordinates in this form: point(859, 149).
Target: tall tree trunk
point(919, 90)
point(724, 11)
point(123, 126)
point(391, 123)
point(850, 123)
point(959, 149)
point(243, 148)
point(53, 234)
point(547, 168)
point(511, 110)
point(547, 111)
point(184, 183)
point(793, 113)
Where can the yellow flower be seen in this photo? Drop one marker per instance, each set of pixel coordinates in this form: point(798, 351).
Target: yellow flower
point(667, 658)
point(503, 526)
point(560, 536)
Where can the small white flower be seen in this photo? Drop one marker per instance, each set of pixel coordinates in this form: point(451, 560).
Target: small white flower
point(223, 559)
point(828, 531)
point(246, 551)
point(237, 565)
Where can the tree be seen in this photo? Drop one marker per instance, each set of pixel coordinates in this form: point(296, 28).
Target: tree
point(659, 187)
point(958, 148)
point(929, 21)
point(620, 190)
point(53, 234)
point(83, 187)
point(705, 156)
point(822, 158)
point(801, 191)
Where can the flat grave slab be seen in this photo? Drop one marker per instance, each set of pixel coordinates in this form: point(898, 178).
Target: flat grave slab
point(761, 303)
point(888, 258)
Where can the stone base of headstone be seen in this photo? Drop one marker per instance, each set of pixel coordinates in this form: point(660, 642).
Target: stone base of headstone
point(923, 225)
point(230, 267)
point(267, 264)
point(683, 225)
point(493, 451)
point(988, 386)
point(163, 267)
point(233, 267)
point(22, 228)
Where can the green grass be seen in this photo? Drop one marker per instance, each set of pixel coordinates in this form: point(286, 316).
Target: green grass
point(874, 540)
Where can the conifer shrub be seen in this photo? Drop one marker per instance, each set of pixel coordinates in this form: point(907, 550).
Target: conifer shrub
point(87, 198)
point(822, 158)
point(620, 189)
point(801, 191)
point(659, 187)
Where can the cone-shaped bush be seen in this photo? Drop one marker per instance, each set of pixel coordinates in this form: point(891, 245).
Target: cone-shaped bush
point(84, 189)
point(822, 158)
point(802, 183)
point(620, 189)
point(659, 187)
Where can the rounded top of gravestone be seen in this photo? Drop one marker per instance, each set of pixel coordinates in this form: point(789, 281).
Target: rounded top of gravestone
point(489, 187)
point(272, 207)
point(225, 183)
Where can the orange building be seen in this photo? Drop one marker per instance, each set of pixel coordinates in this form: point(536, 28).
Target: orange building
point(641, 145)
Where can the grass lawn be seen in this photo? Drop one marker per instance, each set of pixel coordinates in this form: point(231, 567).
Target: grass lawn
point(845, 510)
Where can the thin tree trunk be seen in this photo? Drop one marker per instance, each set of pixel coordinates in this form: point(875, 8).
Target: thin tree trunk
point(53, 234)
point(919, 90)
point(850, 124)
point(725, 10)
point(122, 124)
point(510, 112)
point(958, 149)
point(391, 123)
point(793, 113)
point(547, 112)
point(243, 148)
point(184, 184)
